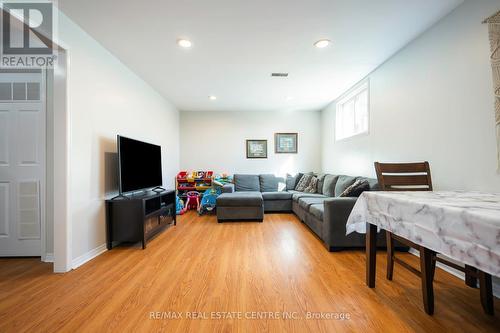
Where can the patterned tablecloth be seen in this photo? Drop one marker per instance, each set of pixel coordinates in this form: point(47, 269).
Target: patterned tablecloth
point(464, 226)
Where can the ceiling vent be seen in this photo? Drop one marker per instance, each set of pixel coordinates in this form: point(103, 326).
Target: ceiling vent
point(279, 74)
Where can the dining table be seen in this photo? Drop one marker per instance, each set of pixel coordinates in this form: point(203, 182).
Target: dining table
point(462, 226)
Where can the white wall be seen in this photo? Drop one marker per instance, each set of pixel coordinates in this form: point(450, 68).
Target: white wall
point(431, 101)
point(106, 99)
point(216, 141)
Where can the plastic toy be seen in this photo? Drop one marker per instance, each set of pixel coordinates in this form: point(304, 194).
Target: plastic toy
point(191, 177)
point(223, 179)
point(193, 200)
point(182, 175)
point(179, 206)
point(209, 200)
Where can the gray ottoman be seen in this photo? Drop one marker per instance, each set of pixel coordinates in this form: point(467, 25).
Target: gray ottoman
point(240, 206)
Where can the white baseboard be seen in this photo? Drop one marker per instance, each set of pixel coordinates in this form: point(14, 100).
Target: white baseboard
point(77, 262)
point(49, 257)
point(461, 275)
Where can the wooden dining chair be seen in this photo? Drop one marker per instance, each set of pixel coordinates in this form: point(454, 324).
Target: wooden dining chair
point(409, 177)
point(417, 177)
point(403, 177)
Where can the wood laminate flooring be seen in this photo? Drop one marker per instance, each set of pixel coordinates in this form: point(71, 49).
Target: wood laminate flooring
point(202, 276)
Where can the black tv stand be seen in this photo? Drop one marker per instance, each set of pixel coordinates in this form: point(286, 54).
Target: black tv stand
point(120, 196)
point(139, 218)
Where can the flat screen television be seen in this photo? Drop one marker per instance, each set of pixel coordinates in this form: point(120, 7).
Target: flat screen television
point(139, 165)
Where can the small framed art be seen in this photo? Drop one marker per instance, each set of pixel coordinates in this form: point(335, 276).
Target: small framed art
point(285, 143)
point(256, 148)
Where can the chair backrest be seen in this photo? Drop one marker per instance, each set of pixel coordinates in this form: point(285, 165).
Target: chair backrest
point(404, 176)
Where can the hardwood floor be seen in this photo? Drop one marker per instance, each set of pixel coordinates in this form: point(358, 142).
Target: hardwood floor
point(201, 267)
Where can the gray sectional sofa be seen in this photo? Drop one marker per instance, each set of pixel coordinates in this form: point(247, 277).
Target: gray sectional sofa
point(324, 212)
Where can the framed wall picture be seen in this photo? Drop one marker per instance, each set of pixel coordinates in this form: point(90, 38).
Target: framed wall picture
point(256, 148)
point(285, 143)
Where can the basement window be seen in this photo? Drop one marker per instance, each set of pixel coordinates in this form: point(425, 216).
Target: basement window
point(351, 116)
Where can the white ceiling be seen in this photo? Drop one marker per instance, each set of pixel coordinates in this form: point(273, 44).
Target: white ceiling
point(238, 43)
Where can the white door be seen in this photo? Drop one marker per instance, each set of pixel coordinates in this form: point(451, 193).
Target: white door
point(22, 163)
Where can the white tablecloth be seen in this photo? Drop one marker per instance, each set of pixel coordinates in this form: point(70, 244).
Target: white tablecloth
point(464, 226)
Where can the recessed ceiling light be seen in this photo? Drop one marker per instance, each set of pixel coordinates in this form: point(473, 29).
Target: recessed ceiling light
point(322, 43)
point(212, 97)
point(184, 43)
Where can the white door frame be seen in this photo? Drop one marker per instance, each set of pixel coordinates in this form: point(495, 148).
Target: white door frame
point(62, 141)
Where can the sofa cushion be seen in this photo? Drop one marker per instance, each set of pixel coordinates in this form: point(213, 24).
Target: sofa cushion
point(292, 192)
point(228, 188)
point(303, 182)
point(246, 183)
point(329, 185)
point(355, 190)
point(291, 181)
point(269, 183)
point(373, 183)
point(304, 203)
point(342, 183)
point(321, 179)
point(317, 211)
point(312, 187)
point(277, 195)
point(297, 195)
point(240, 199)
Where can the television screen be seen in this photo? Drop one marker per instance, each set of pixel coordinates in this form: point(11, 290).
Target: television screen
point(139, 165)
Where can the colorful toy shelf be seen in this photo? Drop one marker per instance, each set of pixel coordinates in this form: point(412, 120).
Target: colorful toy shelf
point(193, 181)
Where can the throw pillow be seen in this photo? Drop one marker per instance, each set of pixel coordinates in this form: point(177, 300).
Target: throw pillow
point(281, 185)
point(343, 182)
point(356, 189)
point(303, 183)
point(291, 181)
point(312, 186)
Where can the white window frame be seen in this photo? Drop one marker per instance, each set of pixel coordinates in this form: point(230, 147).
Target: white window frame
point(350, 96)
